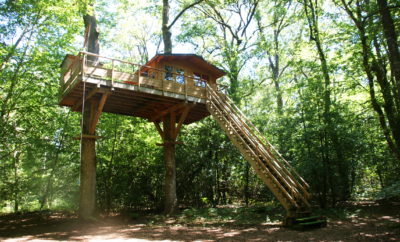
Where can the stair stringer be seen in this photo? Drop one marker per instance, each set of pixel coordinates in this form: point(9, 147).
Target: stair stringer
point(255, 162)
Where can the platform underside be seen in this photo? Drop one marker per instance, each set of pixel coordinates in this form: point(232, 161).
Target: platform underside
point(134, 100)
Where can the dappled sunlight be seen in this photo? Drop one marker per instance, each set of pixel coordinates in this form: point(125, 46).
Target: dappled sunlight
point(372, 222)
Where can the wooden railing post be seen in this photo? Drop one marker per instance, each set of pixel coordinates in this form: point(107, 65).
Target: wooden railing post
point(185, 83)
point(112, 74)
point(162, 84)
point(83, 64)
point(138, 74)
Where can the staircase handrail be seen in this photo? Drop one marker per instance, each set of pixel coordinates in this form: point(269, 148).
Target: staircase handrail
point(288, 172)
point(286, 178)
point(264, 139)
point(286, 192)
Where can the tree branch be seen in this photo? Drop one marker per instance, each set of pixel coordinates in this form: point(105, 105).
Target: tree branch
point(182, 12)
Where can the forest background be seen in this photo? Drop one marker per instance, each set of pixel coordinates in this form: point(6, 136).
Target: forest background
point(321, 80)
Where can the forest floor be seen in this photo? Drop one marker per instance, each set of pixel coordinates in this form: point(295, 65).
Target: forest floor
point(356, 221)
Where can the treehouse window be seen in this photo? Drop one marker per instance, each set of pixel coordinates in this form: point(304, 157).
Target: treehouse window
point(180, 76)
point(197, 79)
point(144, 73)
point(168, 73)
point(200, 79)
point(205, 78)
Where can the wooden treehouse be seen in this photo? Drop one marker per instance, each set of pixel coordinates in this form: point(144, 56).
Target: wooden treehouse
point(171, 90)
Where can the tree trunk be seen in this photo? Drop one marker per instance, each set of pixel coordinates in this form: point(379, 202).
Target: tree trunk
point(246, 183)
point(49, 185)
point(389, 31)
point(170, 204)
point(91, 37)
point(166, 26)
point(16, 185)
point(87, 190)
point(275, 68)
point(166, 31)
point(388, 118)
point(330, 134)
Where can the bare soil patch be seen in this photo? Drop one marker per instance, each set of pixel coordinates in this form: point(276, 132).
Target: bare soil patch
point(361, 221)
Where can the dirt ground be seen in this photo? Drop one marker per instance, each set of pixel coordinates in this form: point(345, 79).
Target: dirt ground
point(362, 221)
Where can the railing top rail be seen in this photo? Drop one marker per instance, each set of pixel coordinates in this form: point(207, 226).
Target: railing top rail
point(139, 65)
point(265, 141)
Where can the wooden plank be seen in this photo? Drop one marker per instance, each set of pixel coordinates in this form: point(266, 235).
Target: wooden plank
point(181, 119)
point(168, 110)
point(87, 97)
point(160, 131)
point(97, 72)
point(98, 112)
point(91, 93)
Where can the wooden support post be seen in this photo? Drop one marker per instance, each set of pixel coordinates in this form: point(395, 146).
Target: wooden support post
point(182, 119)
point(87, 189)
point(168, 134)
point(138, 77)
point(170, 203)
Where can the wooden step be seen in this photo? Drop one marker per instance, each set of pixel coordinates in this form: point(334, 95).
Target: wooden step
point(303, 223)
point(321, 223)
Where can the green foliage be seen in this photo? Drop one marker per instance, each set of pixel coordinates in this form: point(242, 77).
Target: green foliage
point(344, 158)
point(226, 216)
point(391, 192)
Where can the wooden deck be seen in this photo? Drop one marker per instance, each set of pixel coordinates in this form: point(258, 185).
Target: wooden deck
point(132, 89)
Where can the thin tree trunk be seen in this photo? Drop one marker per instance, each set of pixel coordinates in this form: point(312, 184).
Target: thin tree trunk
point(16, 185)
point(329, 129)
point(49, 185)
point(390, 34)
point(246, 183)
point(373, 70)
point(110, 168)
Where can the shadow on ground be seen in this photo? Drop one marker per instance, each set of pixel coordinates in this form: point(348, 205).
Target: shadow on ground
point(366, 221)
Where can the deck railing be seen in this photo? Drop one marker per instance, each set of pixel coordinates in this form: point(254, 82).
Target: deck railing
point(89, 65)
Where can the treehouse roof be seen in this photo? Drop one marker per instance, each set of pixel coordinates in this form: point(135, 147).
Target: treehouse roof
point(189, 58)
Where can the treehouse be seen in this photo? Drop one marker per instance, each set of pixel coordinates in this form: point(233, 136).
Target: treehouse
point(172, 90)
point(167, 83)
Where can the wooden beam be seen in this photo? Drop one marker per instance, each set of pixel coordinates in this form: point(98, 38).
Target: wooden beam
point(98, 112)
point(182, 119)
point(168, 110)
point(147, 105)
point(91, 93)
point(160, 131)
point(87, 97)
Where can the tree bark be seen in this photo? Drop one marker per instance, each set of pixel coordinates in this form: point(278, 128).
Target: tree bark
point(246, 183)
point(166, 32)
point(373, 69)
point(170, 204)
point(330, 134)
point(87, 190)
point(390, 34)
point(166, 26)
point(91, 37)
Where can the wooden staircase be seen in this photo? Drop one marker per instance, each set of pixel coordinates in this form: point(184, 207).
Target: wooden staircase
point(282, 180)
